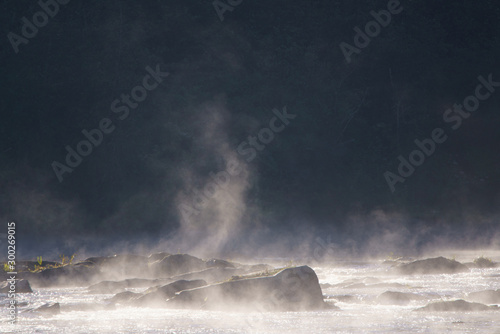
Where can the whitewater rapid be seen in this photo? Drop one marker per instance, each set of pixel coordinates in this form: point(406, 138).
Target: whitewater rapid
point(354, 288)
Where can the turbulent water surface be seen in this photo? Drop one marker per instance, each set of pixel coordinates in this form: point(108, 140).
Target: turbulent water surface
point(355, 291)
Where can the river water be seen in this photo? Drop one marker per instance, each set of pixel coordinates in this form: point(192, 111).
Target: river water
point(359, 311)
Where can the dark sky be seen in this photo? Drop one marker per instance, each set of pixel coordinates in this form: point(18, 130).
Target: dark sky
point(184, 93)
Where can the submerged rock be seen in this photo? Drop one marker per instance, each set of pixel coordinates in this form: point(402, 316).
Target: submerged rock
point(397, 298)
point(456, 306)
point(486, 296)
point(438, 265)
point(49, 309)
point(292, 289)
point(21, 286)
point(123, 297)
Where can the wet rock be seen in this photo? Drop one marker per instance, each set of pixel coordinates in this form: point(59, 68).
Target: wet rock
point(438, 265)
point(123, 297)
point(177, 264)
point(157, 296)
point(291, 289)
point(486, 296)
point(397, 298)
point(456, 306)
point(21, 286)
point(49, 309)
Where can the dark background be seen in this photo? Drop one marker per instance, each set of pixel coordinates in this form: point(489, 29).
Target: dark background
point(324, 173)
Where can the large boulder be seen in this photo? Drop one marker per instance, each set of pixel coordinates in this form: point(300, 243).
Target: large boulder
point(438, 265)
point(486, 296)
point(176, 264)
point(456, 306)
point(292, 289)
point(20, 286)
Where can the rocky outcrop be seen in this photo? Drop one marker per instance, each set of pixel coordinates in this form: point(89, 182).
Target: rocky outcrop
point(438, 265)
point(456, 306)
point(292, 289)
point(486, 296)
